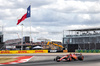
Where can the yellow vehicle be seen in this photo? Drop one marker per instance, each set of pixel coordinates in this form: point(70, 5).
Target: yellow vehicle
point(55, 44)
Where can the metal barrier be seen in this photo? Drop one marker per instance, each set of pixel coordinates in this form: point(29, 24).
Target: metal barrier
point(87, 51)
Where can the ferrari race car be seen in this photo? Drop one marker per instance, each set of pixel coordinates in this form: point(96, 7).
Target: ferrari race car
point(69, 57)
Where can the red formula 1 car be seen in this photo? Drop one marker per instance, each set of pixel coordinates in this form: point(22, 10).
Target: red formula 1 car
point(69, 57)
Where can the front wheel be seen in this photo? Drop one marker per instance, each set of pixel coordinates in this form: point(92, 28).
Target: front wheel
point(80, 58)
point(57, 59)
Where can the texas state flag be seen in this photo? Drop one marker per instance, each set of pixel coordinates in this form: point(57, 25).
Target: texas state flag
point(28, 14)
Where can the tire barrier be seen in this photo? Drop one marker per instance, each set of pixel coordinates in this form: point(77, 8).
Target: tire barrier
point(87, 51)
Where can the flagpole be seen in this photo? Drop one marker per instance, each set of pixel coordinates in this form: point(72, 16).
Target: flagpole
point(22, 38)
point(30, 23)
point(30, 32)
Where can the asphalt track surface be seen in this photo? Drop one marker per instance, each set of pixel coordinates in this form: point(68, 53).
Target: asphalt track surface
point(89, 60)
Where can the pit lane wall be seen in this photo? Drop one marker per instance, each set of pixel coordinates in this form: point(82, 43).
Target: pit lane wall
point(87, 51)
point(22, 51)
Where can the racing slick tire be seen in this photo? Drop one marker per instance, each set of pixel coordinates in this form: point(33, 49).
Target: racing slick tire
point(57, 58)
point(80, 58)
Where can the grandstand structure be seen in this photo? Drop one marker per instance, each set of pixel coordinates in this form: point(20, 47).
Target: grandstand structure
point(15, 44)
point(84, 39)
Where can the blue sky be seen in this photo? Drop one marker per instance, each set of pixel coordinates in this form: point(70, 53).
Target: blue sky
point(48, 16)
